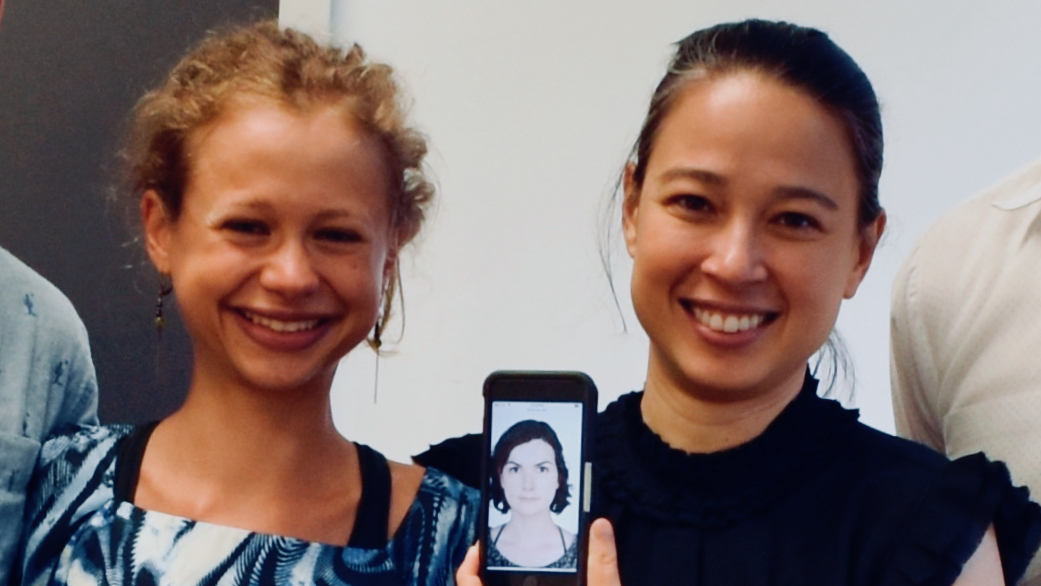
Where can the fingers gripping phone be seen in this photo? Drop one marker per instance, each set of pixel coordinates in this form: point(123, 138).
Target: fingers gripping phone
point(535, 478)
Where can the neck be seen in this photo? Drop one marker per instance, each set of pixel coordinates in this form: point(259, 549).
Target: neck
point(229, 434)
point(698, 422)
point(532, 524)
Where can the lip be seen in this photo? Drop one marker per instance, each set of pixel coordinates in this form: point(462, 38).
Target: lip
point(728, 325)
point(283, 331)
point(528, 504)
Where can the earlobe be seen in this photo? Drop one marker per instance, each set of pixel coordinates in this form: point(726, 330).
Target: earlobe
point(869, 238)
point(390, 263)
point(630, 208)
point(156, 224)
point(390, 268)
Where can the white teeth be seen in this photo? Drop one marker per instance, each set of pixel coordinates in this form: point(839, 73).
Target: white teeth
point(715, 321)
point(730, 323)
point(282, 327)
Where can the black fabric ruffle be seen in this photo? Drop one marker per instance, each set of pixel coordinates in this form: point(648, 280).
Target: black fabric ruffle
point(717, 489)
point(949, 505)
point(970, 494)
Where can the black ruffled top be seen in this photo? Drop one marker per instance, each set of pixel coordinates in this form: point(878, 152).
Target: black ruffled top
point(817, 498)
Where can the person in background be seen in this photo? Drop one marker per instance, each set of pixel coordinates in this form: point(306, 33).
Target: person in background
point(966, 333)
point(751, 212)
point(277, 181)
point(46, 381)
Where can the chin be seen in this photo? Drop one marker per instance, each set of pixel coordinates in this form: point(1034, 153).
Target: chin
point(277, 380)
point(725, 383)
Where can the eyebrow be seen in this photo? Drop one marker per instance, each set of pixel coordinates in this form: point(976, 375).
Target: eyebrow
point(786, 192)
point(697, 174)
point(544, 462)
point(789, 193)
point(261, 206)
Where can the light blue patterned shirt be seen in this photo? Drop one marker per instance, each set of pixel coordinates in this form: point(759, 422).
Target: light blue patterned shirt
point(82, 533)
point(46, 381)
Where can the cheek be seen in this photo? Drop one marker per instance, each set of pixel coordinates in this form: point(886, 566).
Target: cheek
point(663, 262)
point(551, 481)
point(358, 279)
point(201, 269)
point(666, 246)
point(815, 285)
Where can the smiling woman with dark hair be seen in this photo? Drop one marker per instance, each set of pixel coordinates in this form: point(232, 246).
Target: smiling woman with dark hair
point(750, 210)
point(529, 480)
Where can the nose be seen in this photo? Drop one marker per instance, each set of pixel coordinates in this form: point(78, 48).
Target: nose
point(527, 479)
point(289, 270)
point(735, 254)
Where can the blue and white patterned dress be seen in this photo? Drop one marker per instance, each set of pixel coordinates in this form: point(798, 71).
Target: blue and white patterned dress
point(78, 532)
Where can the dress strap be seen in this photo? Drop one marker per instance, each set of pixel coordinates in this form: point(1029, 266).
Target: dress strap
point(498, 533)
point(562, 542)
point(129, 453)
point(370, 523)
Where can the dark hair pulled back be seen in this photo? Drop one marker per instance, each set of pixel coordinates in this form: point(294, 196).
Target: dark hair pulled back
point(804, 58)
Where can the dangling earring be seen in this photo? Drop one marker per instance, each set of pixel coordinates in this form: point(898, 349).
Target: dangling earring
point(377, 332)
point(164, 290)
point(377, 341)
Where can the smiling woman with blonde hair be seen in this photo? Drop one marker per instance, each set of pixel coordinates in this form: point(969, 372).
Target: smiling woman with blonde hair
point(277, 182)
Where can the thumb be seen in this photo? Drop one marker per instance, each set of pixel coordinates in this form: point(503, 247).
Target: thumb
point(603, 557)
point(467, 575)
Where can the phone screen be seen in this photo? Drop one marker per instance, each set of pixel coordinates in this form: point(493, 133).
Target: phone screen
point(534, 522)
point(538, 480)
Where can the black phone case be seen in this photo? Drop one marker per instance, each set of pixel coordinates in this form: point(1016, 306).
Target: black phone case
point(547, 387)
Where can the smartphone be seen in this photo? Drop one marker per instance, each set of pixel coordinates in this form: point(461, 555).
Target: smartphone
point(536, 476)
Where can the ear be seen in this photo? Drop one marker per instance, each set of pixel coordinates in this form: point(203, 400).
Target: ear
point(630, 207)
point(157, 225)
point(865, 251)
point(390, 262)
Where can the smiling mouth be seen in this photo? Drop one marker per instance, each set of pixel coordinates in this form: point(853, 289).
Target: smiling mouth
point(729, 323)
point(280, 326)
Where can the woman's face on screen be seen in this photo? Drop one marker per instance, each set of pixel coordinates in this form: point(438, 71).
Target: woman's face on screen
point(529, 478)
point(744, 235)
point(283, 244)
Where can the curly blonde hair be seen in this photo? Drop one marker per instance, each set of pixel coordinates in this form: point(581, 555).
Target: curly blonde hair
point(263, 61)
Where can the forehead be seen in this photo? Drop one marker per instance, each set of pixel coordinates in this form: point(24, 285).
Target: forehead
point(747, 125)
point(536, 448)
point(261, 118)
point(264, 146)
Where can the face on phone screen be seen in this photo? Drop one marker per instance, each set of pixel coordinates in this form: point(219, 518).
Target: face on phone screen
point(534, 486)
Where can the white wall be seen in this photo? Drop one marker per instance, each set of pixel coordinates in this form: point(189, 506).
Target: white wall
point(531, 107)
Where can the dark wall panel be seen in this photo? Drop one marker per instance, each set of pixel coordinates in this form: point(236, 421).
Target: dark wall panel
point(70, 70)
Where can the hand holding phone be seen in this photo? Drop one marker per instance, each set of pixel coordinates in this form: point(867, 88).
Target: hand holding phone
point(535, 478)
